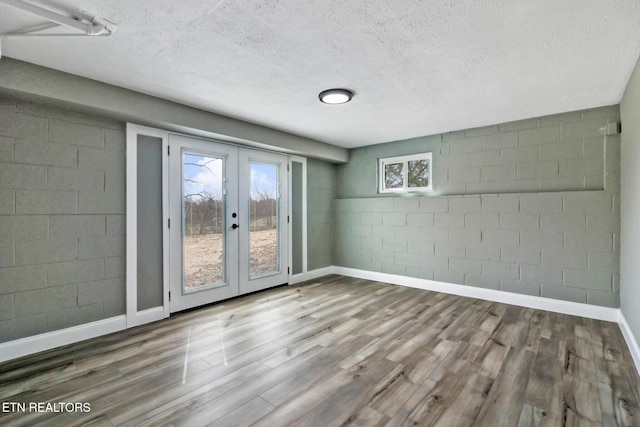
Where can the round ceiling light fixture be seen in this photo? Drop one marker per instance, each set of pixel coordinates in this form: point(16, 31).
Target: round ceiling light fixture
point(335, 96)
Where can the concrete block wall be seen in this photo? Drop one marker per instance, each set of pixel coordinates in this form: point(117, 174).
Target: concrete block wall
point(552, 153)
point(62, 218)
point(561, 245)
point(523, 223)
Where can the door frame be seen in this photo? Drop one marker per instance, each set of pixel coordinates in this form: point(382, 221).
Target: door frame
point(245, 158)
point(135, 317)
point(302, 276)
point(237, 179)
point(181, 300)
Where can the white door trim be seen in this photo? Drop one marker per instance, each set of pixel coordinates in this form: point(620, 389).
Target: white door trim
point(133, 316)
point(300, 277)
point(238, 246)
point(180, 144)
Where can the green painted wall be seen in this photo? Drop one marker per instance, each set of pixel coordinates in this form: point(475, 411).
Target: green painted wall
point(321, 186)
point(62, 218)
point(529, 207)
point(562, 152)
point(630, 204)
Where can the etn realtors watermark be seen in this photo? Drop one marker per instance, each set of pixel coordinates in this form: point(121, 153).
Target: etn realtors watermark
point(41, 407)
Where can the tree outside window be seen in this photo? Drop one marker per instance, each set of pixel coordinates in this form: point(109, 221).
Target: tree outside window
point(406, 173)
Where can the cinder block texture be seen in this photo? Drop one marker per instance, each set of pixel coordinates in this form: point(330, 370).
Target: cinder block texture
point(511, 209)
point(562, 152)
point(62, 198)
point(535, 243)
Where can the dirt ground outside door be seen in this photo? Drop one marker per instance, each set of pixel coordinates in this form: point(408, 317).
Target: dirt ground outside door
point(204, 252)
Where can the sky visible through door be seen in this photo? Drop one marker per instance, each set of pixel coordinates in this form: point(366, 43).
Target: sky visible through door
point(203, 221)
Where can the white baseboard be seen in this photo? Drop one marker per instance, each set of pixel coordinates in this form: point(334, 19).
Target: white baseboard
point(150, 315)
point(558, 306)
point(47, 341)
point(310, 275)
point(630, 339)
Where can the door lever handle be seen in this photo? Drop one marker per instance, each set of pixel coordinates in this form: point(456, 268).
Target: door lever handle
point(234, 226)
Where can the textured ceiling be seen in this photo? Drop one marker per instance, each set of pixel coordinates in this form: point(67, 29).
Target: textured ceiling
point(416, 67)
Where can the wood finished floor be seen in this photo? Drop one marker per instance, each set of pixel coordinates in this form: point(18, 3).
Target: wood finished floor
point(339, 352)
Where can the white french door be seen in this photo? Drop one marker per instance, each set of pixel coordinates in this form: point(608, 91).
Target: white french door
point(228, 210)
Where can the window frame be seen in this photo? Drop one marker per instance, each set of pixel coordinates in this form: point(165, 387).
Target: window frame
point(382, 162)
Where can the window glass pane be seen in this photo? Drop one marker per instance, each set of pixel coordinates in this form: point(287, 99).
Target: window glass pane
point(263, 235)
point(418, 173)
point(393, 175)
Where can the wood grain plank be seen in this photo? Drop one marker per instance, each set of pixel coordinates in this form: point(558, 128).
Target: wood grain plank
point(367, 417)
point(390, 399)
point(536, 417)
point(581, 401)
point(339, 351)
point(342, 406)
point(545, 392)
point(504, 402)
point(465, 405)
point(245, 415)
point(324, 361)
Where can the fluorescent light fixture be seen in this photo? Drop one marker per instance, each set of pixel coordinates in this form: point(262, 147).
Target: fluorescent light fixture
point(84, 26)
point(335, 96)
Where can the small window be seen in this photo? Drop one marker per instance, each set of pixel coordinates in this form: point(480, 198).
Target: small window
point(406, 173)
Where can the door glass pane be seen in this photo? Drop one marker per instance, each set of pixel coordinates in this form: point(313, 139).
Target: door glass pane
point(393, 175)
point(418, 173)
point(263, 221)
point(203, 221)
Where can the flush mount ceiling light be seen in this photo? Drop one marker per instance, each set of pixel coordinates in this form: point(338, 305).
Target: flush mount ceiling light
point(335, 96)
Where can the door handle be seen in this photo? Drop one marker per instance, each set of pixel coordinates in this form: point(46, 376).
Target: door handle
point(234, 226)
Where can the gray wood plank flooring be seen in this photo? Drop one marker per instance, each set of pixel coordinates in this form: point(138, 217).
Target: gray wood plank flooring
point(339, 352)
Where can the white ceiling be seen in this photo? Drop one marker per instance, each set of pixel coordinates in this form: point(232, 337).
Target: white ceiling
point(416, 67)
